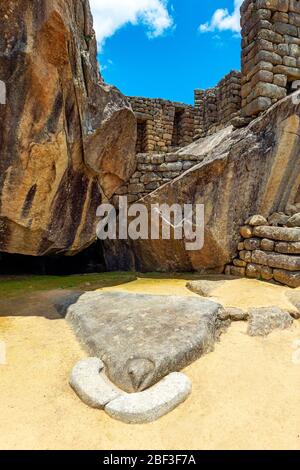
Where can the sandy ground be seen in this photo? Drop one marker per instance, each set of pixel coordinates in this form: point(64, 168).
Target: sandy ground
point(245, 394)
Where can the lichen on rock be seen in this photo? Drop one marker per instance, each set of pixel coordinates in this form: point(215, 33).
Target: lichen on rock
point(66, 138)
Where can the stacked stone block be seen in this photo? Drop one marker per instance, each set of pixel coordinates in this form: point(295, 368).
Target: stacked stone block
point(217, 106)
point(269, 250)
point(162, 124)
point(270, 52)
point(154, 170)
point(229, 101)
point(199, 100)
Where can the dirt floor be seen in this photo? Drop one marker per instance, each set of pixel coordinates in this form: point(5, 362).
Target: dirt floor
point(245, 394)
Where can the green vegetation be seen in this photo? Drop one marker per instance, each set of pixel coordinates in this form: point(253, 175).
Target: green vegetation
point(11, 286)
point(15, 285)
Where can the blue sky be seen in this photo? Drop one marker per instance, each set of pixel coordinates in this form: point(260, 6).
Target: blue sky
point(166, 49)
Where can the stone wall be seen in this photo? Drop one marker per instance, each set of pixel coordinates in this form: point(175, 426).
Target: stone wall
point(270, 67)
point(216, 107)
point(270, 52)
point(269, 249)
point(162, 125)
point(154, 170)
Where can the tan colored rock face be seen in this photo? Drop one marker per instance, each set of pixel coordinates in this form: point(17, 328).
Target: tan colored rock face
point(255, 170)
point(65, 137)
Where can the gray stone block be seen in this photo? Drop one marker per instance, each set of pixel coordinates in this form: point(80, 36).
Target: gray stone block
point(147, 406)
point(262, 321)
point(91, 385)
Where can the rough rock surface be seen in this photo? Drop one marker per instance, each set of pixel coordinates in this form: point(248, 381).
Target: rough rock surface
point(276, 260)
point(278, 233)
point(147, 406)
point(294, 221)
point(142, 338)
point(88, 380)
point(294, 298)
point(289, 278)
point(262, 321)
point(65, 136)
point(254, 170)
point(256, 220)
point(203, 287)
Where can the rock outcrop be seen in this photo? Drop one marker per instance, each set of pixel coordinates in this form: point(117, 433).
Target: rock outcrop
point(254, 170)
point(66, 138)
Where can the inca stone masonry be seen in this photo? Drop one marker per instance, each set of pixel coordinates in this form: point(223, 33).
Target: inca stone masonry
point(270, 70)
point(270, 64)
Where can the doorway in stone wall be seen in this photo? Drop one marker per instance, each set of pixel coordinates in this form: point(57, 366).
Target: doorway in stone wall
point(141, 142)
point(177, 136)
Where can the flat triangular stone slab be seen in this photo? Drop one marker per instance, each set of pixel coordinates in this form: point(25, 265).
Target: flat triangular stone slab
point(142, 338)
point(147, 406)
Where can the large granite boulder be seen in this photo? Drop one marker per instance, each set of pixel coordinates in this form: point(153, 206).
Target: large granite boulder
point(66, 138)
point(254, 170)
point(142, 338)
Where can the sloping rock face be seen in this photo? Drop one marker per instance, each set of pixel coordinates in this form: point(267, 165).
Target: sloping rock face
point(255, 170)
point(65, 136)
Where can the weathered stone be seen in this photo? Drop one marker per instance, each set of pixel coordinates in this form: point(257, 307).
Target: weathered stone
point(276, 260)
point(246, 231)
point(142, 338)
point(278, 218)
point(288, 247)
point(247, 169)
point(234, 314)
point(266, 273)
point(227, 270)
point(294, 298)
point(151, 404)
point(278, 233)
point(294, 221)
point(91, 385)
point(262, 321)
point(239, 263)
point(257, 220)
point(253, 271)
point(65, 136)
point(246, 256)
point(252, 244)
point(176, 166)
point(291, 209)
point(289, 278)
point(267, 245)
point(260, 257)
point(238, 271)
point(203, 287)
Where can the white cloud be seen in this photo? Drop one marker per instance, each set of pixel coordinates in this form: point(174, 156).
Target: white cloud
point(222, 20)
point(111, 15)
